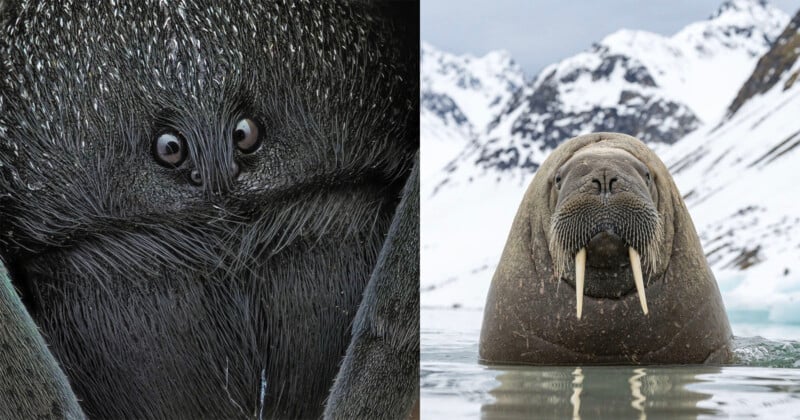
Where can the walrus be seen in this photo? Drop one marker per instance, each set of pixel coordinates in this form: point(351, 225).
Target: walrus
point(603, 266)
point(201, 205)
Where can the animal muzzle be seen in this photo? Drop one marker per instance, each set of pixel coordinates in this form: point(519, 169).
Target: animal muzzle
point(608, 237)
point(580, 275)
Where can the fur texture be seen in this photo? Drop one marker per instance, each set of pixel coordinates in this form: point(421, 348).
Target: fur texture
point(386, 326)
point(31, 385)
point(235, 297)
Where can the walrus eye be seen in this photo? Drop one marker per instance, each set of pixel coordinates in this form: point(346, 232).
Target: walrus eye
point(647, 175)
point(558, 181)
point(246, 135)
point(170, 150)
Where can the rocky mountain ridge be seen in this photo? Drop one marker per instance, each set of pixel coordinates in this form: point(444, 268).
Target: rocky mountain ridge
point(654, 87)
point(736, 170)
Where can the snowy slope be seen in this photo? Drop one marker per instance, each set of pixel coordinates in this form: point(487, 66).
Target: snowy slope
point(740, 182)
point(459, 95)
point(735, 168)
point(654, 87)
point(479, 86)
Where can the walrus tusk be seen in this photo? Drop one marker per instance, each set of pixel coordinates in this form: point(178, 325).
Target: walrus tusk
point(580, 271)
point(636, 265)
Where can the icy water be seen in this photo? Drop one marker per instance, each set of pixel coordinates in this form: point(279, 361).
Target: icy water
point(455, 386)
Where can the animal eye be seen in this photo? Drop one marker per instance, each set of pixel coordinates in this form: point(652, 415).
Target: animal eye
point(170, 150)
point(195, 177)
point(246, 135)
point(558, 178)
point(647, 174)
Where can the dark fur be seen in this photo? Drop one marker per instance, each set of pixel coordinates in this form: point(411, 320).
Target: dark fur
point(31, 383)
point(386, 328)
point(231, 299)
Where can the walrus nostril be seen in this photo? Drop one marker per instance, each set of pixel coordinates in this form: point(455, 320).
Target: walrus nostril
point(605, 185)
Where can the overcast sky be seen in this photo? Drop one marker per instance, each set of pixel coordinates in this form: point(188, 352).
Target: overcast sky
point(540, 32)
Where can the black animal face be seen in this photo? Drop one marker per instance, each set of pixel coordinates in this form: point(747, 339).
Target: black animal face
point(90, 89)
point(177, 180)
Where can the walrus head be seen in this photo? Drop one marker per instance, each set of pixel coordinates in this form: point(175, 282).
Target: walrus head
point(606, 221)
point(602, 218)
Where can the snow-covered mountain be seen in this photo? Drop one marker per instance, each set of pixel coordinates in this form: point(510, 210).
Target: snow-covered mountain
point(740, 181)
point(466, 89)
point(654, 87)
point(459, 95)
point(720, 103)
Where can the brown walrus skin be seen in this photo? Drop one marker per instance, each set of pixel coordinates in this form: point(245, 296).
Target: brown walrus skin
point(615, 182)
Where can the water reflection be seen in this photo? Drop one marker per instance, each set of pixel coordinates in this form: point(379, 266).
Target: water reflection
point(577, 387)
point(765, 384)
point(598, 392)
point(636, 392)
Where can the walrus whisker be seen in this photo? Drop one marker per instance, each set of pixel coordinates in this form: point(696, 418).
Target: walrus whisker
point(636, 266)
point(580, 269)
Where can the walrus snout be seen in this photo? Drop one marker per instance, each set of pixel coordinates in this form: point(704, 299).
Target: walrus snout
point(606, 229)
point(614, 270)
point(604, 179)
point(604, 225)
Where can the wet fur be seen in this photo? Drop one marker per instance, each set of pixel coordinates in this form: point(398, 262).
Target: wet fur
point(236, 298)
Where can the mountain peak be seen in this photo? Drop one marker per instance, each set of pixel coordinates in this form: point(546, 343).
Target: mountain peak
point(740, 6)
point(747, 13)
point(477, 86)
point(658, 88)
point(500, 58)
point(778, 64)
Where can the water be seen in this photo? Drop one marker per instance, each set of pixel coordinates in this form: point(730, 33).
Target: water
point(454, 385)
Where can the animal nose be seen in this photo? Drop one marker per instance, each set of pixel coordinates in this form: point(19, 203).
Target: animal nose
point(222, 180)
point(604, 181)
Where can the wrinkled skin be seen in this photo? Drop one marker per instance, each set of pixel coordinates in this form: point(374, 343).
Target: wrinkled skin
point(530, 314)
point(226, 286)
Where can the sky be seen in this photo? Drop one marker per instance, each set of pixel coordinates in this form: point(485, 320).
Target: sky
point(541, 32)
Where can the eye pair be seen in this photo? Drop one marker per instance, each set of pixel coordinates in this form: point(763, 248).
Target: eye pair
point(647, 175)
point(170, 148)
